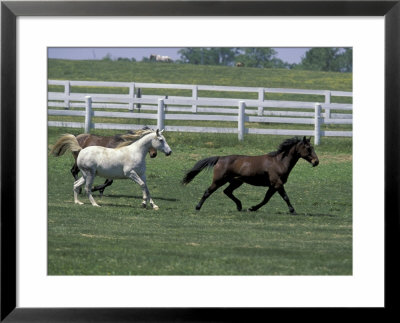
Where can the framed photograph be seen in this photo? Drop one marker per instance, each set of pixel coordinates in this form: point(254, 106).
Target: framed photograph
point(347, 226)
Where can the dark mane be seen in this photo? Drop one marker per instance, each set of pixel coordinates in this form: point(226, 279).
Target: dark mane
point(117, 137)
point(120, 136)
point(285, 146)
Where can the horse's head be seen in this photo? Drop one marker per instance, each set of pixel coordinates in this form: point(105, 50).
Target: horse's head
point(159, 143)
point(306, 151)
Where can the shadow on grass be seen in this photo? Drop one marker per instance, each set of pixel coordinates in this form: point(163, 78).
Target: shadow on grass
point(133, 206)
point(311, 214)
point(155, 198)
point(319, 215)
point(294, 215)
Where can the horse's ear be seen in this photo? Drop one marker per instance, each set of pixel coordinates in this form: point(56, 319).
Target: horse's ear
point(309, 139)
point(157, 132)
point(304, 139)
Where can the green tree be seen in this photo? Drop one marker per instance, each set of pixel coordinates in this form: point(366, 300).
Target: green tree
point(257, 56)
point(208, 56)
point(278, 63)
point(319, 59)
point(108, 57)
point(191, 55)
point(345, 60)
point(123, 59)
point(328, 59)
point(226, 56)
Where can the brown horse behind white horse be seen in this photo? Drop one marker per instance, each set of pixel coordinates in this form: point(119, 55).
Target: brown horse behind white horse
point(86, 140)
point(127, 161)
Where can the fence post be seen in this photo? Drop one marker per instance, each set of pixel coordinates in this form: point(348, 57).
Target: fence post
point(138, 95)
point(131, 96)
point(242, 106)
point(261, 94)
point(327, 101)
point(165, 105)
point(67, 92)
point(160, 114)
point(317, 133)
point(195, 97)
point(88, 114)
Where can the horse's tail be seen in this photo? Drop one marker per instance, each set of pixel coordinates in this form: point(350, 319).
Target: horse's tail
point(65, 143)
point(198, 167)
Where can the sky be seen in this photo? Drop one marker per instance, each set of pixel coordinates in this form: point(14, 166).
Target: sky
point(289, 55)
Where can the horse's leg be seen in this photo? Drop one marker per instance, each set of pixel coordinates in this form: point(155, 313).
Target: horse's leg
point(271, 191)
point(77, 186)
point(74, 172)
point(149, 199)
point(229, 192)
point(214, 186)
point(285, 197)
point(101, 187)
point(75, 169)
point(142, 183)
point(88, 187)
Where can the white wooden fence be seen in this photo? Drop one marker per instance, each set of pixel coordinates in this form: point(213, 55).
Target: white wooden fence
point(198, 108)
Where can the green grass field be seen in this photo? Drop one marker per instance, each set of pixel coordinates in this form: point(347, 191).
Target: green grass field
point(121, 238)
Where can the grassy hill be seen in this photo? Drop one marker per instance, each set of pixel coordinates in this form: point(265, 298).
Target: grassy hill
point(90, 70)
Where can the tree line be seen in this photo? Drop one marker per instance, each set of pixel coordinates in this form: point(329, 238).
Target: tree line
point(317, 59)
point(332, 59)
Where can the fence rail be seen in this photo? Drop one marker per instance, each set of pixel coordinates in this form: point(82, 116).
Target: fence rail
point(196, 108)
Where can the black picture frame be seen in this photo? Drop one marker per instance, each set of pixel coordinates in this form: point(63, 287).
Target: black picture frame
point(10, 10)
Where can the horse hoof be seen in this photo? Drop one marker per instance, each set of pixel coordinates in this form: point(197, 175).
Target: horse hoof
point(198, 208)
point(79, 203)
point(155, 207)
point(144, 205)
point(252, 209)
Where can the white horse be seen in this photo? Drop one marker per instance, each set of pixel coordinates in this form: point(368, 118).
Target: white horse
point(160, 58)
point(125, 161)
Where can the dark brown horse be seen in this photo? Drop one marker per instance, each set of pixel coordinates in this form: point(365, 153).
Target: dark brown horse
point(86, 140)
point(271, 170)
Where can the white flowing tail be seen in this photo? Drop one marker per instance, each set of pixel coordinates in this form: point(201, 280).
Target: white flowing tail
point(65, 143)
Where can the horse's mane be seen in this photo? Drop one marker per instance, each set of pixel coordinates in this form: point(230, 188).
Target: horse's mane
point(130, 135)
point(285, 146)
point(129, 138)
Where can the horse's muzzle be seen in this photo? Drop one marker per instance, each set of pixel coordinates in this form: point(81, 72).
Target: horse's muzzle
point(168, 153)
point(315, 162)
